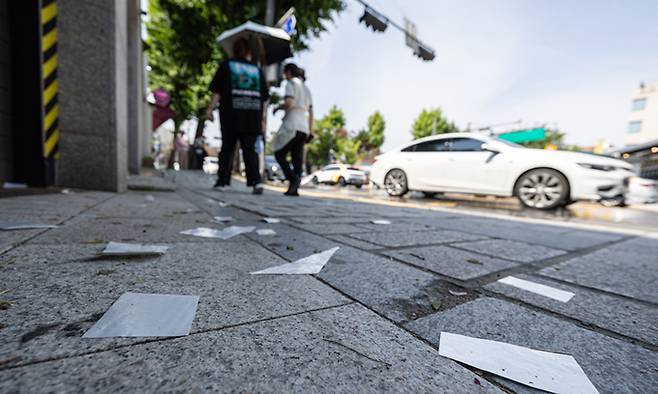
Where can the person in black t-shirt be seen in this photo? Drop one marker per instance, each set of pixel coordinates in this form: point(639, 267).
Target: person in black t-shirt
point(240, 89)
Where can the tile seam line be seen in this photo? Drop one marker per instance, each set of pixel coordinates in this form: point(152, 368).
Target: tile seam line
point(164, 339)
point(62, 222)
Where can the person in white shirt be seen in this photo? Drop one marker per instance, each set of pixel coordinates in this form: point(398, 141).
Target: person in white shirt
point(296, 128)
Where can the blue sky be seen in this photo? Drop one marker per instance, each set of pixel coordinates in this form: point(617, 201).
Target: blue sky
point(569, 63)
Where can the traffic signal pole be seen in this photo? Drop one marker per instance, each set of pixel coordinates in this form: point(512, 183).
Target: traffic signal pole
point(378, 22)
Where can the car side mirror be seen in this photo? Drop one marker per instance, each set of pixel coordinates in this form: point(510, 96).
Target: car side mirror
point(487, 147)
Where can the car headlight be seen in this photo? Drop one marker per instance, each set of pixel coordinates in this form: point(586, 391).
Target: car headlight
point(275, 168)
point(600, 167)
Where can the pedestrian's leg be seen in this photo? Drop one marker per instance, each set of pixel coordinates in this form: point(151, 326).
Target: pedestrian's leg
point(225, 158)
point(296, 148)
point(250, 157)
point(297, 153)
point(281, 157)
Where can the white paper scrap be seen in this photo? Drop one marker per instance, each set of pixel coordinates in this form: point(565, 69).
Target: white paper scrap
point(223, 204)
point(149, 198)
point(380, 222)
point(265, 231)
point(14, 185)
point(8, 226)
point(224, 234)
point(271, 220)
point(538, 288)
point(146, 315)
point(553, 372)
point(312, 264)
point(223, 219)
point(124, 249)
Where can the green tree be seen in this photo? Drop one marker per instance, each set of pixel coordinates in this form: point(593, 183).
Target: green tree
point(182, 50)
point(432, 122)
point(326, 131)
point(372, 138)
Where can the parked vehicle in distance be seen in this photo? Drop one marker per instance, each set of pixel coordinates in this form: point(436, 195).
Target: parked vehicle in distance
point(272, 169)
point(479, 164)
point(641, 191)
point(341, 174)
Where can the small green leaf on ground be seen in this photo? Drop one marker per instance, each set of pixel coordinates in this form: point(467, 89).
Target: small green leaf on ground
point(96, 240)
point(436, 305)
point(4, 305)
point(474, 261)
point(104, 272)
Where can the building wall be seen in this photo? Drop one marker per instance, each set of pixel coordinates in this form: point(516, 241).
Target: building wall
point(648, 117)
point(6, 142)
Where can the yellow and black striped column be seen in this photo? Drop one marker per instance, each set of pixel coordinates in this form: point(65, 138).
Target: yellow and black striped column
point(49, 76)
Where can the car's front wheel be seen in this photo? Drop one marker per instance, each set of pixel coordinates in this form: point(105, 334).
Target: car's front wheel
point(342, 181)
point(395, 183)
point(542, 188)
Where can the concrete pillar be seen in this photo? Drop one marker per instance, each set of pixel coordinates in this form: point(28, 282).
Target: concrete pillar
point(135, 87)
point(6, 137)
point(93, 89)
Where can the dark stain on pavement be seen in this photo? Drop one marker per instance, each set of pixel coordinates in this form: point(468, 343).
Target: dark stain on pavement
point(434, 297)
point(37, 332)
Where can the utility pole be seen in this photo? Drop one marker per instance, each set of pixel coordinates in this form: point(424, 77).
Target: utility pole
point(269, 12)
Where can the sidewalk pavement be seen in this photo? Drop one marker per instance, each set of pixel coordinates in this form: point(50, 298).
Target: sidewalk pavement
point(370, 321)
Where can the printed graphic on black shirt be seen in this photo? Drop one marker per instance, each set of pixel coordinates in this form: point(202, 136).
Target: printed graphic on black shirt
point(245, 84)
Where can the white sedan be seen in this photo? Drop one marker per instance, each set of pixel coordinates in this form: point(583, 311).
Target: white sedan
point(479, 164)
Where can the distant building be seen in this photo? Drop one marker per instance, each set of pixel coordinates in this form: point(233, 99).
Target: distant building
point(643, 121)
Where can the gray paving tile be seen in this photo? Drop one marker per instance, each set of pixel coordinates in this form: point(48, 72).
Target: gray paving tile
point(612, 365)
point(346, 349)
point(331, 228)
point(558, 237)
point(391, 288)
point(451, 262)
point(89, 228)
point(344, 239)
point(512, 250)
point(396, 226)
point(136, 205)
point(625, 317)
point(628, 268)
point(58, 293)
point(410, 238)
point(292, 243)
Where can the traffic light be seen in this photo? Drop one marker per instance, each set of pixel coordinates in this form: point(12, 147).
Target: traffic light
point(374, 20)
point(424, 52)
point(420, 50)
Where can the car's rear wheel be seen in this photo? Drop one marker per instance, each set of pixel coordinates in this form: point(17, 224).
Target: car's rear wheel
point(395, 183)
point(358, 186)
point(429, 194)
point(542, 188)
